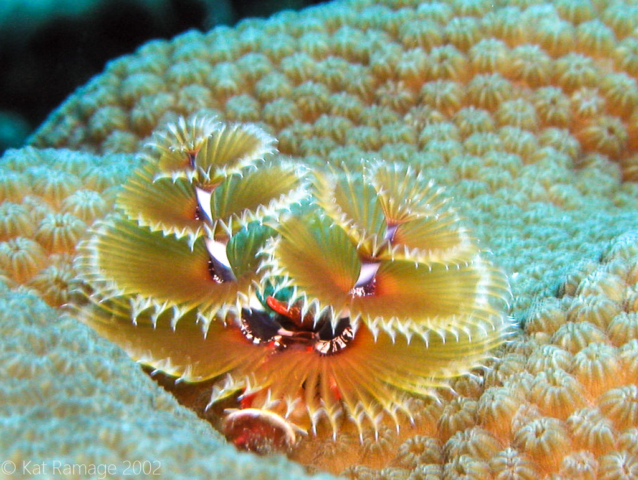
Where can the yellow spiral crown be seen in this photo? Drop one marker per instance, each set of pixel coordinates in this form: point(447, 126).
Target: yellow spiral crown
point(321, 298)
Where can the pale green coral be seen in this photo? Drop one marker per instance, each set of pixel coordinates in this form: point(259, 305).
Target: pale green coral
point(70, 397)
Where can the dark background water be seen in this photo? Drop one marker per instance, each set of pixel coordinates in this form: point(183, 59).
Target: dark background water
point(45, 55)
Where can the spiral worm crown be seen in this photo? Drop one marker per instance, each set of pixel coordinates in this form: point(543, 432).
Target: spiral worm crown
point(331, 296)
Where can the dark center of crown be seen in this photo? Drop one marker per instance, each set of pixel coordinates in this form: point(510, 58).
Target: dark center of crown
point(285, 329)
point(219, 272)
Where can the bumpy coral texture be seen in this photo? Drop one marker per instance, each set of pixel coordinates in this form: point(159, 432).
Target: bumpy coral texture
point(526, 111)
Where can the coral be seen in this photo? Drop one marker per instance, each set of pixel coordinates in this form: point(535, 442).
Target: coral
point(517, 113)
point(458, 415)
point(591, 431)
point(511, 464)
point(561, 141)
point(544, 439)
point(488, 91)
point(473, 120)
point(22, 258)
point(567, 72)
point(594, 38)
point(530, 64)
point(604, 134)
point(602, 282)
point(466, 467)
point(596, 309)
point(627, 441)
point(446, 63)
point(56, 283)
point(489, 56)
point(623, 328)
point(574, 71)
point(12, 185)
point(86, 205)
point(620, 405)
point(549, 357)
point(496, 410)
point(552, 106)
point(621, 465)
point(14, 221)
point(579, 465)
point(475, 442)
point(556, 393)
point(597, 368)
point(442, 95)
point(60, 233)
point(419, 450)
point(545, 319)
point(625, 55)
point(554, 35)
point(505, 24)
point(620, 92)
point(574, 337)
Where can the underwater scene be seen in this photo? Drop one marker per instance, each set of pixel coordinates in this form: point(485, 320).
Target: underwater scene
point(365, 239)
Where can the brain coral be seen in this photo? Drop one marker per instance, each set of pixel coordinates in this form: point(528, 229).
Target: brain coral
point(525, 111)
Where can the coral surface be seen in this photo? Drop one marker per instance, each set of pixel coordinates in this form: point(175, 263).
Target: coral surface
point(524, 111)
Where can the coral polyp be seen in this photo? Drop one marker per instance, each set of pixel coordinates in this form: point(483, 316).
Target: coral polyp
point(325, 300)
